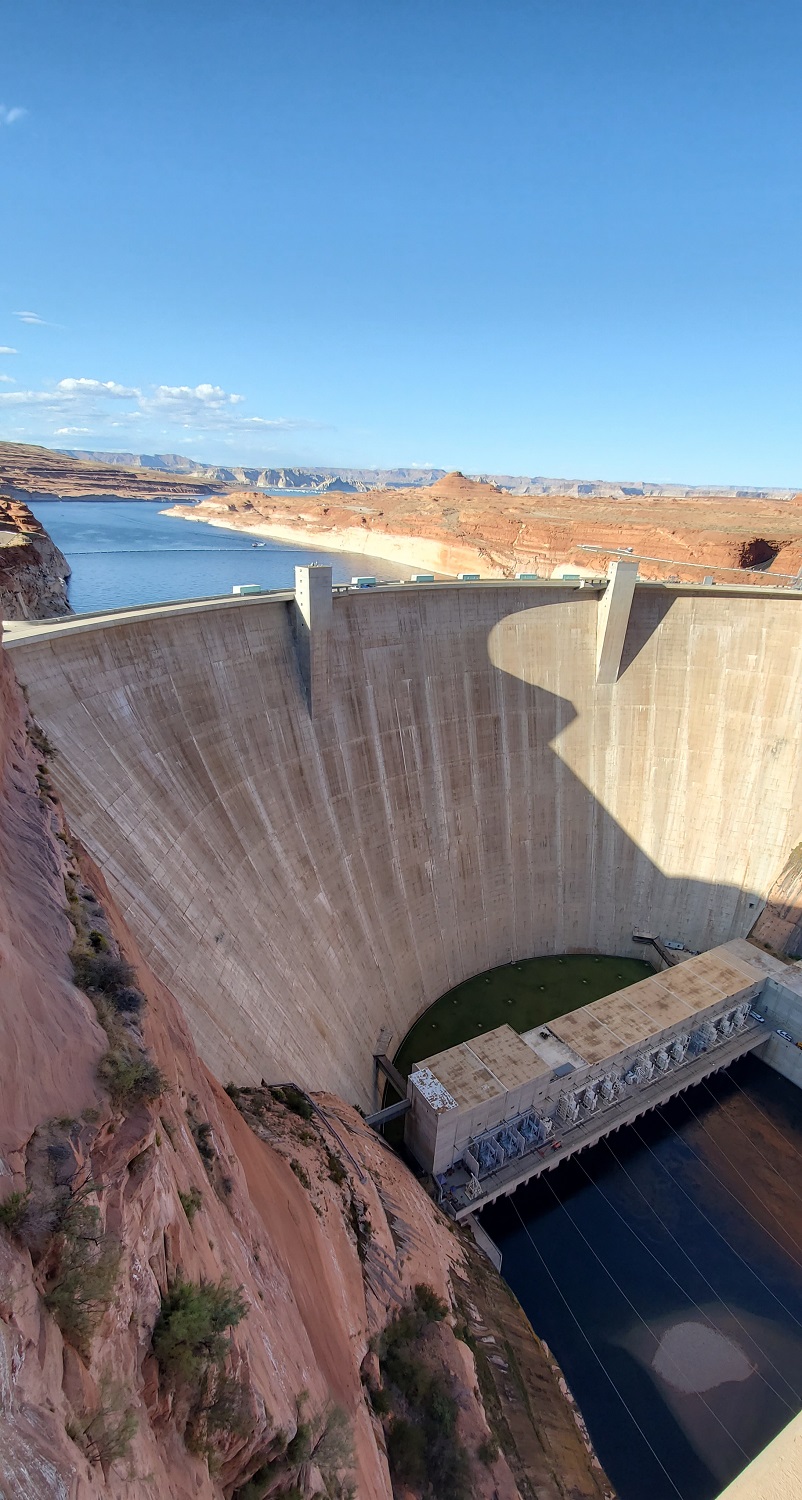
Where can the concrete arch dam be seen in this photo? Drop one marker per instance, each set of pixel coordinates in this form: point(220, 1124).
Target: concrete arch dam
point(465, 793)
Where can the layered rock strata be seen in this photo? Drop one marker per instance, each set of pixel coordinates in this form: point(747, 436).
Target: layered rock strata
point(462, 525)
point(33, 572)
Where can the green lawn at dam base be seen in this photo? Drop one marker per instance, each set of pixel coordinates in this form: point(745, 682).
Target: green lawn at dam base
point(524, 994)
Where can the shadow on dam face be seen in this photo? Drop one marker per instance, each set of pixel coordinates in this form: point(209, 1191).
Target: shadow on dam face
point(469, 796)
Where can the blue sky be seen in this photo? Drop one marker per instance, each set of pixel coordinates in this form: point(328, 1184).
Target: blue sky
point(527, 236)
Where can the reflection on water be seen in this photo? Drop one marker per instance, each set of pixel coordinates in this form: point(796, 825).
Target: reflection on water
point(126, 552)
point(663, 1268)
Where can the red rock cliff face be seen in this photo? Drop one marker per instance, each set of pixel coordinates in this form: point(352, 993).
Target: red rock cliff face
point(325, 1236)
point(33, 573)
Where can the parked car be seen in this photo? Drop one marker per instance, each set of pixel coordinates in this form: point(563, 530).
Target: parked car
point(786, 1035)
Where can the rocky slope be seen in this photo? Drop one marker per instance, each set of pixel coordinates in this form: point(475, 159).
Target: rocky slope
point(459, 524)
point(33, 573)
point(214, 1296)
point(27, 470)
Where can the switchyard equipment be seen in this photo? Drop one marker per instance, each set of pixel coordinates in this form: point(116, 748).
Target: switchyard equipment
point(484, 1115)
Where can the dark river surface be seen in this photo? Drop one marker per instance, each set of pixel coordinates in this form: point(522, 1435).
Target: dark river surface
point(126, 552)
point(664, 1270)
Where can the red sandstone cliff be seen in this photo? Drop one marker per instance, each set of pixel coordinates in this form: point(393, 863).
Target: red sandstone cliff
point(126, 1170)
point(461, 524)
point(33, 573)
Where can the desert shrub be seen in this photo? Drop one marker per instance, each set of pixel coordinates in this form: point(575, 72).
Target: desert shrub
point(337, 1171)
point(221, 1409)
point(100, 972)
point(82, 1286)
point(108, 1432)
point(334, 1450)
point(40, 740)
point(130, 1077)
point(406, 1452)
point(488, 1451)
point(14, 1211)
point(294, 1100)
point(301, 1173)
point(98, 941)
point(202, 1136)
point(190, 1331)
point(380, 1401)
point(128, 1001)
point(191, 1201)
point(433, 1308)
point(422, 1445)
point(299, 1447)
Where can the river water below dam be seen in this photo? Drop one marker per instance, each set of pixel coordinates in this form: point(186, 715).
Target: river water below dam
point(125, 552)
point(664, 1269)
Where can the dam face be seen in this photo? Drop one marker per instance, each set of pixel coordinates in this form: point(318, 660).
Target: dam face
point(468, 795)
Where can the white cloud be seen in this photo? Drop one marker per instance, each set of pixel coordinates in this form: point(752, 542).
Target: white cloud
point(8, 379)
point(76, 401)
point(82, 387)
point(6, 349)
point(32, 317)
point(10, 116)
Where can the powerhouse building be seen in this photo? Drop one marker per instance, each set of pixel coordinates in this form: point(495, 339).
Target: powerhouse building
point(502, 1096)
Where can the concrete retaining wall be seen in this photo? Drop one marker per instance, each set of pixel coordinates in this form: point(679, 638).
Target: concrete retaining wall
point(470, 795)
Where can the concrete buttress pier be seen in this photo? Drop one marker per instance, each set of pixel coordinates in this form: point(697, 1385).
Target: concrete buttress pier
point(312, 619)
point(613, 619)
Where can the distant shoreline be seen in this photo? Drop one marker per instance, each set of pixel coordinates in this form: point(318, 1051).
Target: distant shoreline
point(410, 552)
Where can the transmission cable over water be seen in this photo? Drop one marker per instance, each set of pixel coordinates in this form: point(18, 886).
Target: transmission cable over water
point(706, 1316)
point(720, 1183)
point(716, 1230)
point(752, 1143)
point(650, 1331)
point(755, 1105)
point(627, 1408)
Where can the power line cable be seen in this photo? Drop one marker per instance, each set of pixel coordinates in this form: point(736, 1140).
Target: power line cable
point(650, 1331)
point(717, 1231)
point(722, 1184)
point(706, 1316)
point(628, 1409)
point(762, 1112)
point(750, 1139)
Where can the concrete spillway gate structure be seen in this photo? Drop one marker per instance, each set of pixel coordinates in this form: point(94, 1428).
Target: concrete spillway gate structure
point(464, 790)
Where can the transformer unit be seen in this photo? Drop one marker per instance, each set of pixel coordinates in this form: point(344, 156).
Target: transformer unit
point(702, 1039)
point(641, 1070)
point(589, 1098)
point(678, 1048)
point(662, 1060)
point(567, 1111)
point(609, 1088)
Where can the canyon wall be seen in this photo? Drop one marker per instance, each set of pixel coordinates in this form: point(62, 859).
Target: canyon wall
point(33, 572)
point(469, 796)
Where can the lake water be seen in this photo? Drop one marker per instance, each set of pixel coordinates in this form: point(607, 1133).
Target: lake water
point(127, 552)
point(664, 1270)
